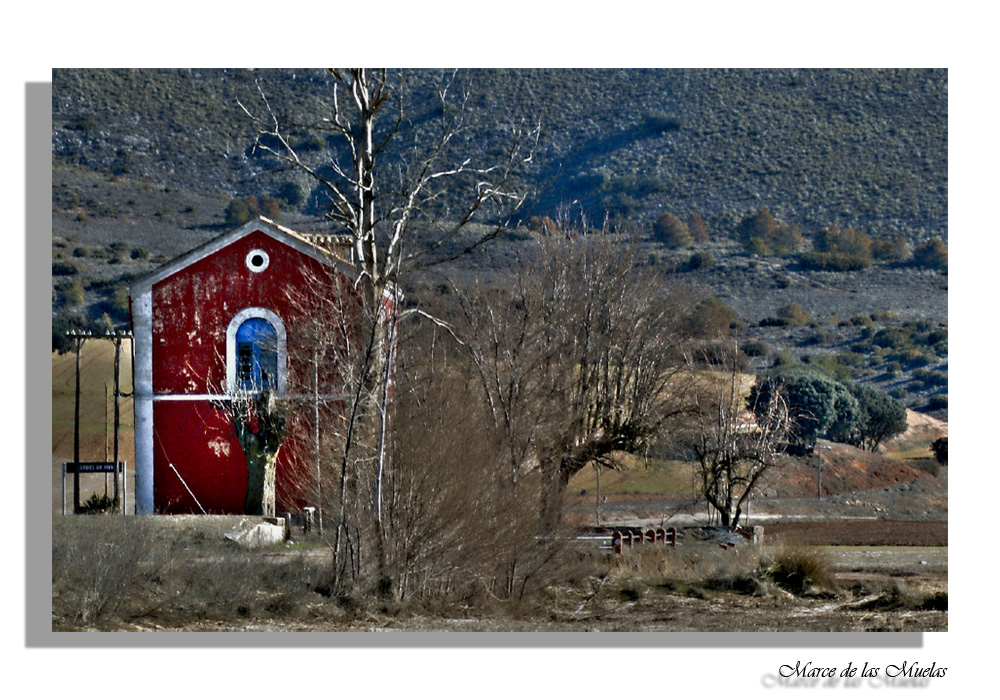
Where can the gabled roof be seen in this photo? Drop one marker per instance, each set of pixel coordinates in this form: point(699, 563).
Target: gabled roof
point(287, 236)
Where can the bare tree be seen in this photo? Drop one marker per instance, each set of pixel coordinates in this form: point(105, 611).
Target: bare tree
point(578, 359)
point(377, 199)
point(734, 444)
point(260, 421)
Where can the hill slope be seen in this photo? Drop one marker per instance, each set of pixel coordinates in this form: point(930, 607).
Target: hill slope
point(861, 148)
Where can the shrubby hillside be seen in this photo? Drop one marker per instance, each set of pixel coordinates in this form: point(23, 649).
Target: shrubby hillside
point(854, 148)
point(805, 210)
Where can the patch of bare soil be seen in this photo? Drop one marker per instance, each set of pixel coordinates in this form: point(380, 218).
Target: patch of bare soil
point(861, 533)
point(921, 431)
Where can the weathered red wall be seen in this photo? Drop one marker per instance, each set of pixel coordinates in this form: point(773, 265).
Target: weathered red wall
point(200, 442)
point(191, 311)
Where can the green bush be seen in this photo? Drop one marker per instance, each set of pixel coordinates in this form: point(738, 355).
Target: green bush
point(828, 365)
point(850, 359)
point(930, 378)
point(818, 406)
point(698, 228)
point(940, 448)
point(757, 348)
point(892, 338)
point(60, 269)
point(72, 294)
point(931, 254)
point(762, 234)
point(937, 402)
point(671, 231)
point(793, 314)
point(882, 417)
point(120, 302)
point(757, 246)
point(834, 262)
point(896, 250)
point(911, 358)
point(710, 318)
point(846, 242)
point(98, 504)
point(240, 211)
point(294, 194)
point(700, 260)
point(237, 213)
point(937, 336)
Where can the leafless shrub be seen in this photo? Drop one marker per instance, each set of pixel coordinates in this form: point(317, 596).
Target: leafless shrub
point(899, 596)
point(99, 574)
point(462, 528)
point(245, 584)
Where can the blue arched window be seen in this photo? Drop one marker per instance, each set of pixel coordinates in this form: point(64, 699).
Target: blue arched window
point(256, 356)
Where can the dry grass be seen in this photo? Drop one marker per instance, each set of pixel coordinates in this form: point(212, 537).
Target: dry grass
point(108, 570)
point(113, 573)
point(801, 569)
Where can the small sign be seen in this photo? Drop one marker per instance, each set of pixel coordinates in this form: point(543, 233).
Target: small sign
point(94, 467)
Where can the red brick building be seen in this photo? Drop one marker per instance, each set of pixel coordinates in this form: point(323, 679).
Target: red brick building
point(217, 320)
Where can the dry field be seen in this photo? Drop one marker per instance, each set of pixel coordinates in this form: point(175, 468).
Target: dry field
point(176, 574)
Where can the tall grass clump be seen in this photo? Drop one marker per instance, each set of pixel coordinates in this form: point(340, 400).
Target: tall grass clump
point(801, 568)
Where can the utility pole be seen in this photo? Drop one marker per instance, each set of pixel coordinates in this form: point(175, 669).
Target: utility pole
point(105, 436)
point(78, 339)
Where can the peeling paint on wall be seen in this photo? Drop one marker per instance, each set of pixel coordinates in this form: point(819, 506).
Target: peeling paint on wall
point(219, 446)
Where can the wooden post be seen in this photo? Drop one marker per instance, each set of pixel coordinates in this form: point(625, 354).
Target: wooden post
point(319, 473)
point(78, 342)
point(598, 468)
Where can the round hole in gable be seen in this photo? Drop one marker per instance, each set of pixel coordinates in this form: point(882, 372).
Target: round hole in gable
point(257, 260)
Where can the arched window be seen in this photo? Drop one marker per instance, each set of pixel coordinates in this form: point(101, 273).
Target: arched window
point(256, 356)
point(255, 352)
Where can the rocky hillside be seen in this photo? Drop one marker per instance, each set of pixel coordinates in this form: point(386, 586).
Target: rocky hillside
point(860, 148)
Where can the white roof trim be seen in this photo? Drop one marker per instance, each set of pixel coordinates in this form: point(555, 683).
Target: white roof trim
point(280, 233)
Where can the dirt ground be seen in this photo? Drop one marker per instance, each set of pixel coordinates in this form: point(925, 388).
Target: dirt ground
point(862, 533)
point(892, 576)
